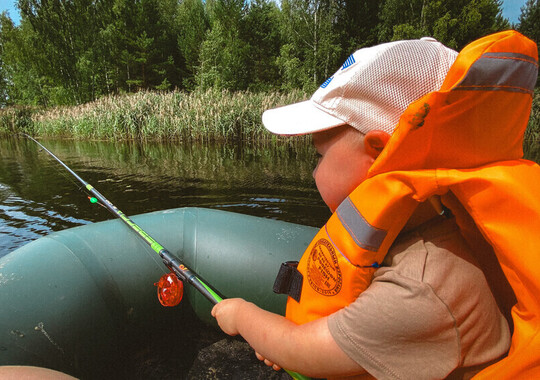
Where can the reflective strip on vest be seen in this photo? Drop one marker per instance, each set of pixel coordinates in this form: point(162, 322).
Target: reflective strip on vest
point(364, 234)
point(501, 72)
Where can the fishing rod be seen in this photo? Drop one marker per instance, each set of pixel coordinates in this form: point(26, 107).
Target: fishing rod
point(170, 290)
point(170, 287)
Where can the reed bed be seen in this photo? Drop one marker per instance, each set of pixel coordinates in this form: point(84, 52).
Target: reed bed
point(210, 115)
point(203, 116)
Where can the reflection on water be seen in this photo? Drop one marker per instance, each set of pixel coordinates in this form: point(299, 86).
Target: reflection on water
point(23, 220)
point(37, 196)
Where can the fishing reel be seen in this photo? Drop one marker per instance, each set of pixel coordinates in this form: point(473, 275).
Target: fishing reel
point(170, 290)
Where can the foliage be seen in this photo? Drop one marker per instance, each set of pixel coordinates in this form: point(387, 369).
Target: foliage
point(18, 119)
point(223, 52)
point(4, 81)
point(193, 25)
point(455, 22)
point(77, 51)
point(531, 143)
point(308, 26)
point(529, 23)
point(528, 20)
point(261, 33)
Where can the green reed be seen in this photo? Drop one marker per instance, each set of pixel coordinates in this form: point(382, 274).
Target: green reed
point(203, 116)
point(210, 115)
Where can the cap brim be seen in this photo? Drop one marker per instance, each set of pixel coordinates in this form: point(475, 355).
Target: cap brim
point(299, 119)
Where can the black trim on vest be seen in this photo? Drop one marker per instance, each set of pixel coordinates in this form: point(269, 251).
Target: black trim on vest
point(289, 280)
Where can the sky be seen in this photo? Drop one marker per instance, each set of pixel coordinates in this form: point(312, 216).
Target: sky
point(511, 9)
point(9, 5)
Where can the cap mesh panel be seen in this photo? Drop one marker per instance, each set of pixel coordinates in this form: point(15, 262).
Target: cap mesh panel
point(376, 90)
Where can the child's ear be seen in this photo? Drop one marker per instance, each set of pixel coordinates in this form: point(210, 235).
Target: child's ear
point(375, 141)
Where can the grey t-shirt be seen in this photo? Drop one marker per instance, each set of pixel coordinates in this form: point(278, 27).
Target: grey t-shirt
point(428, 311)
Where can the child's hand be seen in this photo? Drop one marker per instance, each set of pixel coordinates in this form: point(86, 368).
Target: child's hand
point(226, 314)
point(267, 362)
point(308, 348)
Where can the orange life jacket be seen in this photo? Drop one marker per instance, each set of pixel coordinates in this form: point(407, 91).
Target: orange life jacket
point(463, 143)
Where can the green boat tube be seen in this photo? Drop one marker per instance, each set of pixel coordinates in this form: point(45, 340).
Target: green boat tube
point(72, 300)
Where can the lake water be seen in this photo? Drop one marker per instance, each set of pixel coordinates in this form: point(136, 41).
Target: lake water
point(38, 196)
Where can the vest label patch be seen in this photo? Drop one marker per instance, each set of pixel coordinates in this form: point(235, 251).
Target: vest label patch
point(323, 272)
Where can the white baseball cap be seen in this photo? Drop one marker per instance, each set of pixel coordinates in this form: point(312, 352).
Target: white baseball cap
point(370, 91)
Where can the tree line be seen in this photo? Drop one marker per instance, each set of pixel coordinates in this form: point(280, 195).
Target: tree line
point(74, 51)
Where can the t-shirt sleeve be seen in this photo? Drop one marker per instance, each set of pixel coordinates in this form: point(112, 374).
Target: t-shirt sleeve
point(411, 333)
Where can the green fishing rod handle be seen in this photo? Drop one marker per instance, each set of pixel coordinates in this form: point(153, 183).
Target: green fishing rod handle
point(204, 289)
point(297, 376)
point(216, 297)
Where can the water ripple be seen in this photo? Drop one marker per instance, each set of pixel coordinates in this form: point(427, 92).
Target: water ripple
point(23, 220)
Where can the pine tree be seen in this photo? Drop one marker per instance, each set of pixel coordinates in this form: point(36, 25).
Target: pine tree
point(529, 20)
point(193, 24)
point(224, 54)
point(454, 22)
point(529, 23)
point(260, 31)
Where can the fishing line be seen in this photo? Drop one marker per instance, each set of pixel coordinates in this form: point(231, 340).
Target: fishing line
point(56, 169)
point(170, 286)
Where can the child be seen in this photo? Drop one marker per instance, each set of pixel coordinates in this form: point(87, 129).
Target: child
point(31, 373)
point(429, 312)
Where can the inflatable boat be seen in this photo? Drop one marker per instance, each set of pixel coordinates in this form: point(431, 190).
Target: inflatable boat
point(74, 300)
